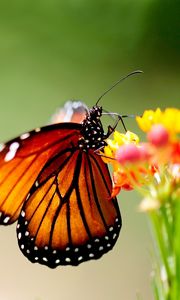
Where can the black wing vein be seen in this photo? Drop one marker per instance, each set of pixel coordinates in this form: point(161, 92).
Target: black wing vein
point(95, 193)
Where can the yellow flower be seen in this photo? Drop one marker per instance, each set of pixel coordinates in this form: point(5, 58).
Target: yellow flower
point(149, 118)
point(169, 118)
point(120, 139)
point(113, 145)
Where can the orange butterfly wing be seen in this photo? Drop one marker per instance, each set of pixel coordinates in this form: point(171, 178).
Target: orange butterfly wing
point(22, 159)
point(69, 217)
point(72, 111)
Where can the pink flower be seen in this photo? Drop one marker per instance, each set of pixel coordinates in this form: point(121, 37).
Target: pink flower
point(128, 153)
point(158, 135)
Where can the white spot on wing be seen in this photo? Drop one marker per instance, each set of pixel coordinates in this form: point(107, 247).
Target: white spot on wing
point(57, 261)
point(91, 255)
point(6, 219)
point(114, 236)
point(28, 195)
point(45, 259)
point(37, 129)
point(96, 240)
point(24, 136)
point(12, 151)
point(23, 213)
point(36, 184)
point(67, 259)
point(80, 258)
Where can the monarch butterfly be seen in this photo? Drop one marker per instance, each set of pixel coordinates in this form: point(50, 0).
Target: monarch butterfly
point(54, 183)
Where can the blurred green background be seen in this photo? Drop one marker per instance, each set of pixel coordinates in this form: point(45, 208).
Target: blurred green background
point(52, 51)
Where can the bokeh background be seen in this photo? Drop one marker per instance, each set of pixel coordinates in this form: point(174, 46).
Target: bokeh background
point(52, 51)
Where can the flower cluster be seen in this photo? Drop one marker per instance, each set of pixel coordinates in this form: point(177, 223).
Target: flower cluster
point(152, 167)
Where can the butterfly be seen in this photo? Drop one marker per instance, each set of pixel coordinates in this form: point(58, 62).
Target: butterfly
point(58, 188)
point(54, 183)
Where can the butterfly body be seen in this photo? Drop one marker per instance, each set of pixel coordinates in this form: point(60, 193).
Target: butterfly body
point(93, 136)
point(53, 182)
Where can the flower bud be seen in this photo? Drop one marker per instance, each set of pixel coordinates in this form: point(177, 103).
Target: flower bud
point(128, 154)
point(158, 135)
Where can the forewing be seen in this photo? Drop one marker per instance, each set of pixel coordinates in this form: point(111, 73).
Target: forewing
point(69, 218)
point(22, 159)
point(72, 111)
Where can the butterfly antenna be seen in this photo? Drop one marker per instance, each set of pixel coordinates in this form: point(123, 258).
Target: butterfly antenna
point(116, 83)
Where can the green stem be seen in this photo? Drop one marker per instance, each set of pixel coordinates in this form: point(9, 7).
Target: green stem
point(157, 223)
point(168, 229)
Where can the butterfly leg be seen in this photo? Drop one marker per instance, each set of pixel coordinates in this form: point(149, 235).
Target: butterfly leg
point(111, 129)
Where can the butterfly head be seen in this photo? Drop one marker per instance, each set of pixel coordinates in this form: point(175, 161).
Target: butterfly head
point(95, 113)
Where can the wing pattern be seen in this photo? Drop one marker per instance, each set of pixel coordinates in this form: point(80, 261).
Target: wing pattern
point(22, 159)
point(69, 216)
